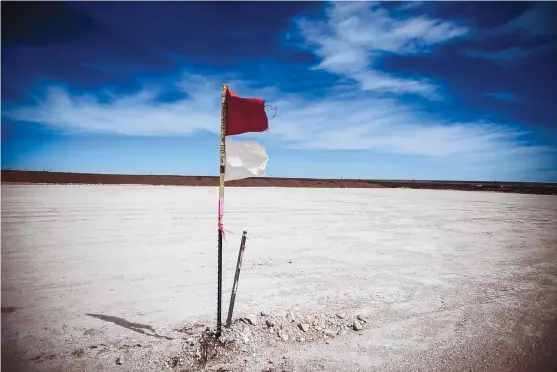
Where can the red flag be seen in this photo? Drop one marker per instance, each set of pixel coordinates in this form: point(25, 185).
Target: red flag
point(244, 115)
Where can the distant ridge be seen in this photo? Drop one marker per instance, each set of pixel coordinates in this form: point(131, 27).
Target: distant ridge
point(59, 178)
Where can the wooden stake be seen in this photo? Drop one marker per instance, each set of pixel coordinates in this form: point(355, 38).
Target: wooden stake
point(221, 204)
point(236, 279)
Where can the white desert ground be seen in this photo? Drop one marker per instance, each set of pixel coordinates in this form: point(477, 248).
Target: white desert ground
point(123, 278)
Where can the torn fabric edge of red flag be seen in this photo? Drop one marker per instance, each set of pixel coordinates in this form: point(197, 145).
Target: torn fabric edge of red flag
point(274, 112)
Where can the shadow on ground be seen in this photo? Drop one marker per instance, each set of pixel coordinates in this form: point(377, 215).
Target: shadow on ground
point(9, 309)
point(136, 327)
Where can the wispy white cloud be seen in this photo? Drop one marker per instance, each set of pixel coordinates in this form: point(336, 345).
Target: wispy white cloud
point(133, 114)
point(358, 122)
point(355, 35)
point(348, 42)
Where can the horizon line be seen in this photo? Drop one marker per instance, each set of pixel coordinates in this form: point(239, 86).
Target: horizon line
point(384, 180)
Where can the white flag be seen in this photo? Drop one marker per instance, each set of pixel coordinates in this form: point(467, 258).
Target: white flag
point(244, 160)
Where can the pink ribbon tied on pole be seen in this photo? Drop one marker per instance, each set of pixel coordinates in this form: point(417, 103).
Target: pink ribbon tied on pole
point(221, 214)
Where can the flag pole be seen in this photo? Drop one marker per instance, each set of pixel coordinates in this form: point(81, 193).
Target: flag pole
point(221, 204)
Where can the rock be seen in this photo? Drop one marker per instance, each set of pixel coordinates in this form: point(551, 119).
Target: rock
point(342, 332)
point(318, 328)
point(330, 332)
point(78, 353)
point(302, 339)
point(270, 323)
point(304, 327)
point(283, 335)
point(341, 315)
point(290, 317)
point(191, 341)
point(357, 326)
point(174, 362)
point(271, 330)
point(361, 318)
point(120, 360)
point(251, 319)
point(264, 313)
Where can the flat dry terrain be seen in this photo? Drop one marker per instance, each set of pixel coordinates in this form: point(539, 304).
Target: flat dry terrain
point(446, 280)
point(61, 178)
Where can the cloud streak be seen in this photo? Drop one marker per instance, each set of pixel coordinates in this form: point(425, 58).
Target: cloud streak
point(360, 122)
point(354, 36)
point(362, 109)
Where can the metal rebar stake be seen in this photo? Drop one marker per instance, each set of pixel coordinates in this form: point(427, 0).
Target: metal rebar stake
point(236, 279)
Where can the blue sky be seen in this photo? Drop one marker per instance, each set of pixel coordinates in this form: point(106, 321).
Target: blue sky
point(400, 90)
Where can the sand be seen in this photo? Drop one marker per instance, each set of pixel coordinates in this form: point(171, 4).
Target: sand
point(447, 280)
